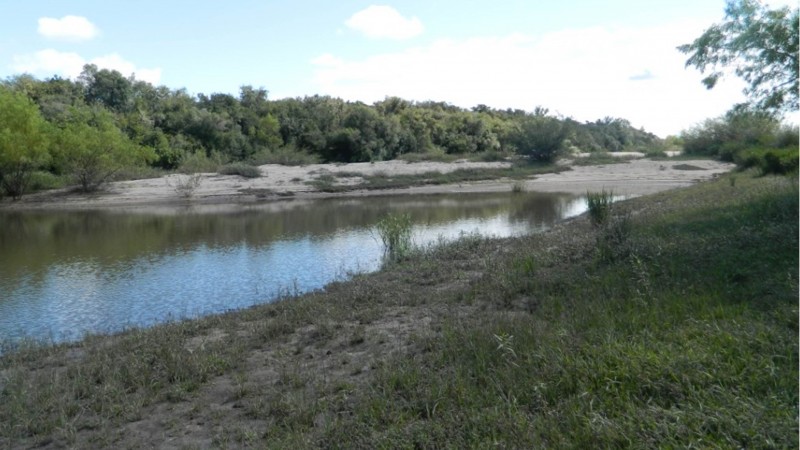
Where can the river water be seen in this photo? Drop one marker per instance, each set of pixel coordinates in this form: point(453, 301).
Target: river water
point(65, 274)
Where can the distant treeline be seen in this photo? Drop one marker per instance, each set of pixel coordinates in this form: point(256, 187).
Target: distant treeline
point(170, 128)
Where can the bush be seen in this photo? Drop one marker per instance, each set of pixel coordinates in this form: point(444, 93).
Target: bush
point(41, 180)
point(787, 136)
point(199, 162)
point(241, 169)
point(769, 160)
point(540, 138)
point(725, 136)
point(186, 185)
point(780, 162)
point(490, 156)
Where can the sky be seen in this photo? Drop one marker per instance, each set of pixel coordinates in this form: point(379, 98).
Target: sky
point(584, 59)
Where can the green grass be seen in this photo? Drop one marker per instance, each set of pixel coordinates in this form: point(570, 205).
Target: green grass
point(686, 337)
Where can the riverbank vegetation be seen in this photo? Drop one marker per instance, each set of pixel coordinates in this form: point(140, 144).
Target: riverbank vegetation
point(102, 125)
point(679, 331)
point(750, 138)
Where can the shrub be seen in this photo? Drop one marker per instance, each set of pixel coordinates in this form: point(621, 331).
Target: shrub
point(186, 185)
point(41, 180)
point(540, 138)
point(490, 156)
point(768, 160)
point(199, 162)
point(780, 162)
point(787, 136)
point(725, 136)
point(241, 169)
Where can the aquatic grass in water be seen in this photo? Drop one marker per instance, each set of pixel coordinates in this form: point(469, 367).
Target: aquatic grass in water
point(599, 204)
point(395, 233)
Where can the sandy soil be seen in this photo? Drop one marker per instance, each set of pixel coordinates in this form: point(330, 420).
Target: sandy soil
point(634, 177)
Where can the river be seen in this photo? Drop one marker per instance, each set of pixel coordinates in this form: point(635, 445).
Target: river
point(65, 274)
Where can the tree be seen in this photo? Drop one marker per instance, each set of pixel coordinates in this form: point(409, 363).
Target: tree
point(761, 45)
point(23, 143)
point(93, 149)
point(540, 137)
point(107, 87)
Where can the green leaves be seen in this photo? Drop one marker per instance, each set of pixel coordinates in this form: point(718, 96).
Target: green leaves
point(760, 45)
point(92, 149)
point(540, 137)
point(23, 142)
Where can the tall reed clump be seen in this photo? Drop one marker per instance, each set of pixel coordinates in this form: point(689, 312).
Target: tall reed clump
point(599, 204)
point(395, 233)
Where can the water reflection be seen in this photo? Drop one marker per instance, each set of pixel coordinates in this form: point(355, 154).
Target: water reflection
point(63, 274)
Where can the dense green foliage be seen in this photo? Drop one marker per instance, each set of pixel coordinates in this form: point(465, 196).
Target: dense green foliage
point(171, 129)
point(761, 44)
point(737, 131)
point(91, 149)
point(769, 160)
point(22, 142)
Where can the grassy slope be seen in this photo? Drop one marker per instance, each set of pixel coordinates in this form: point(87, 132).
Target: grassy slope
point(676, 325)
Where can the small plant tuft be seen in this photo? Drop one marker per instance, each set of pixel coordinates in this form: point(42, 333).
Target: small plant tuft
point(599, 204)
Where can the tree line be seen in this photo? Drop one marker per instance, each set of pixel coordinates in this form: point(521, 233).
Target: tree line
point(91, 128)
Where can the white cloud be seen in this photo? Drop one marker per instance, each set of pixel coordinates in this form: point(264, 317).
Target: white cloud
point(585, 73)
point(50, 62)
point(384, 22)
point(67, 64)
point(116, 62)
point(70, 28)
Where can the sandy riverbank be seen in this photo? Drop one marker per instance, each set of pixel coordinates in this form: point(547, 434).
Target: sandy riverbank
point(634, 177)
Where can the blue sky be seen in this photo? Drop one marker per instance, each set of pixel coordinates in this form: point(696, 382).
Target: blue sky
point(585, 59)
